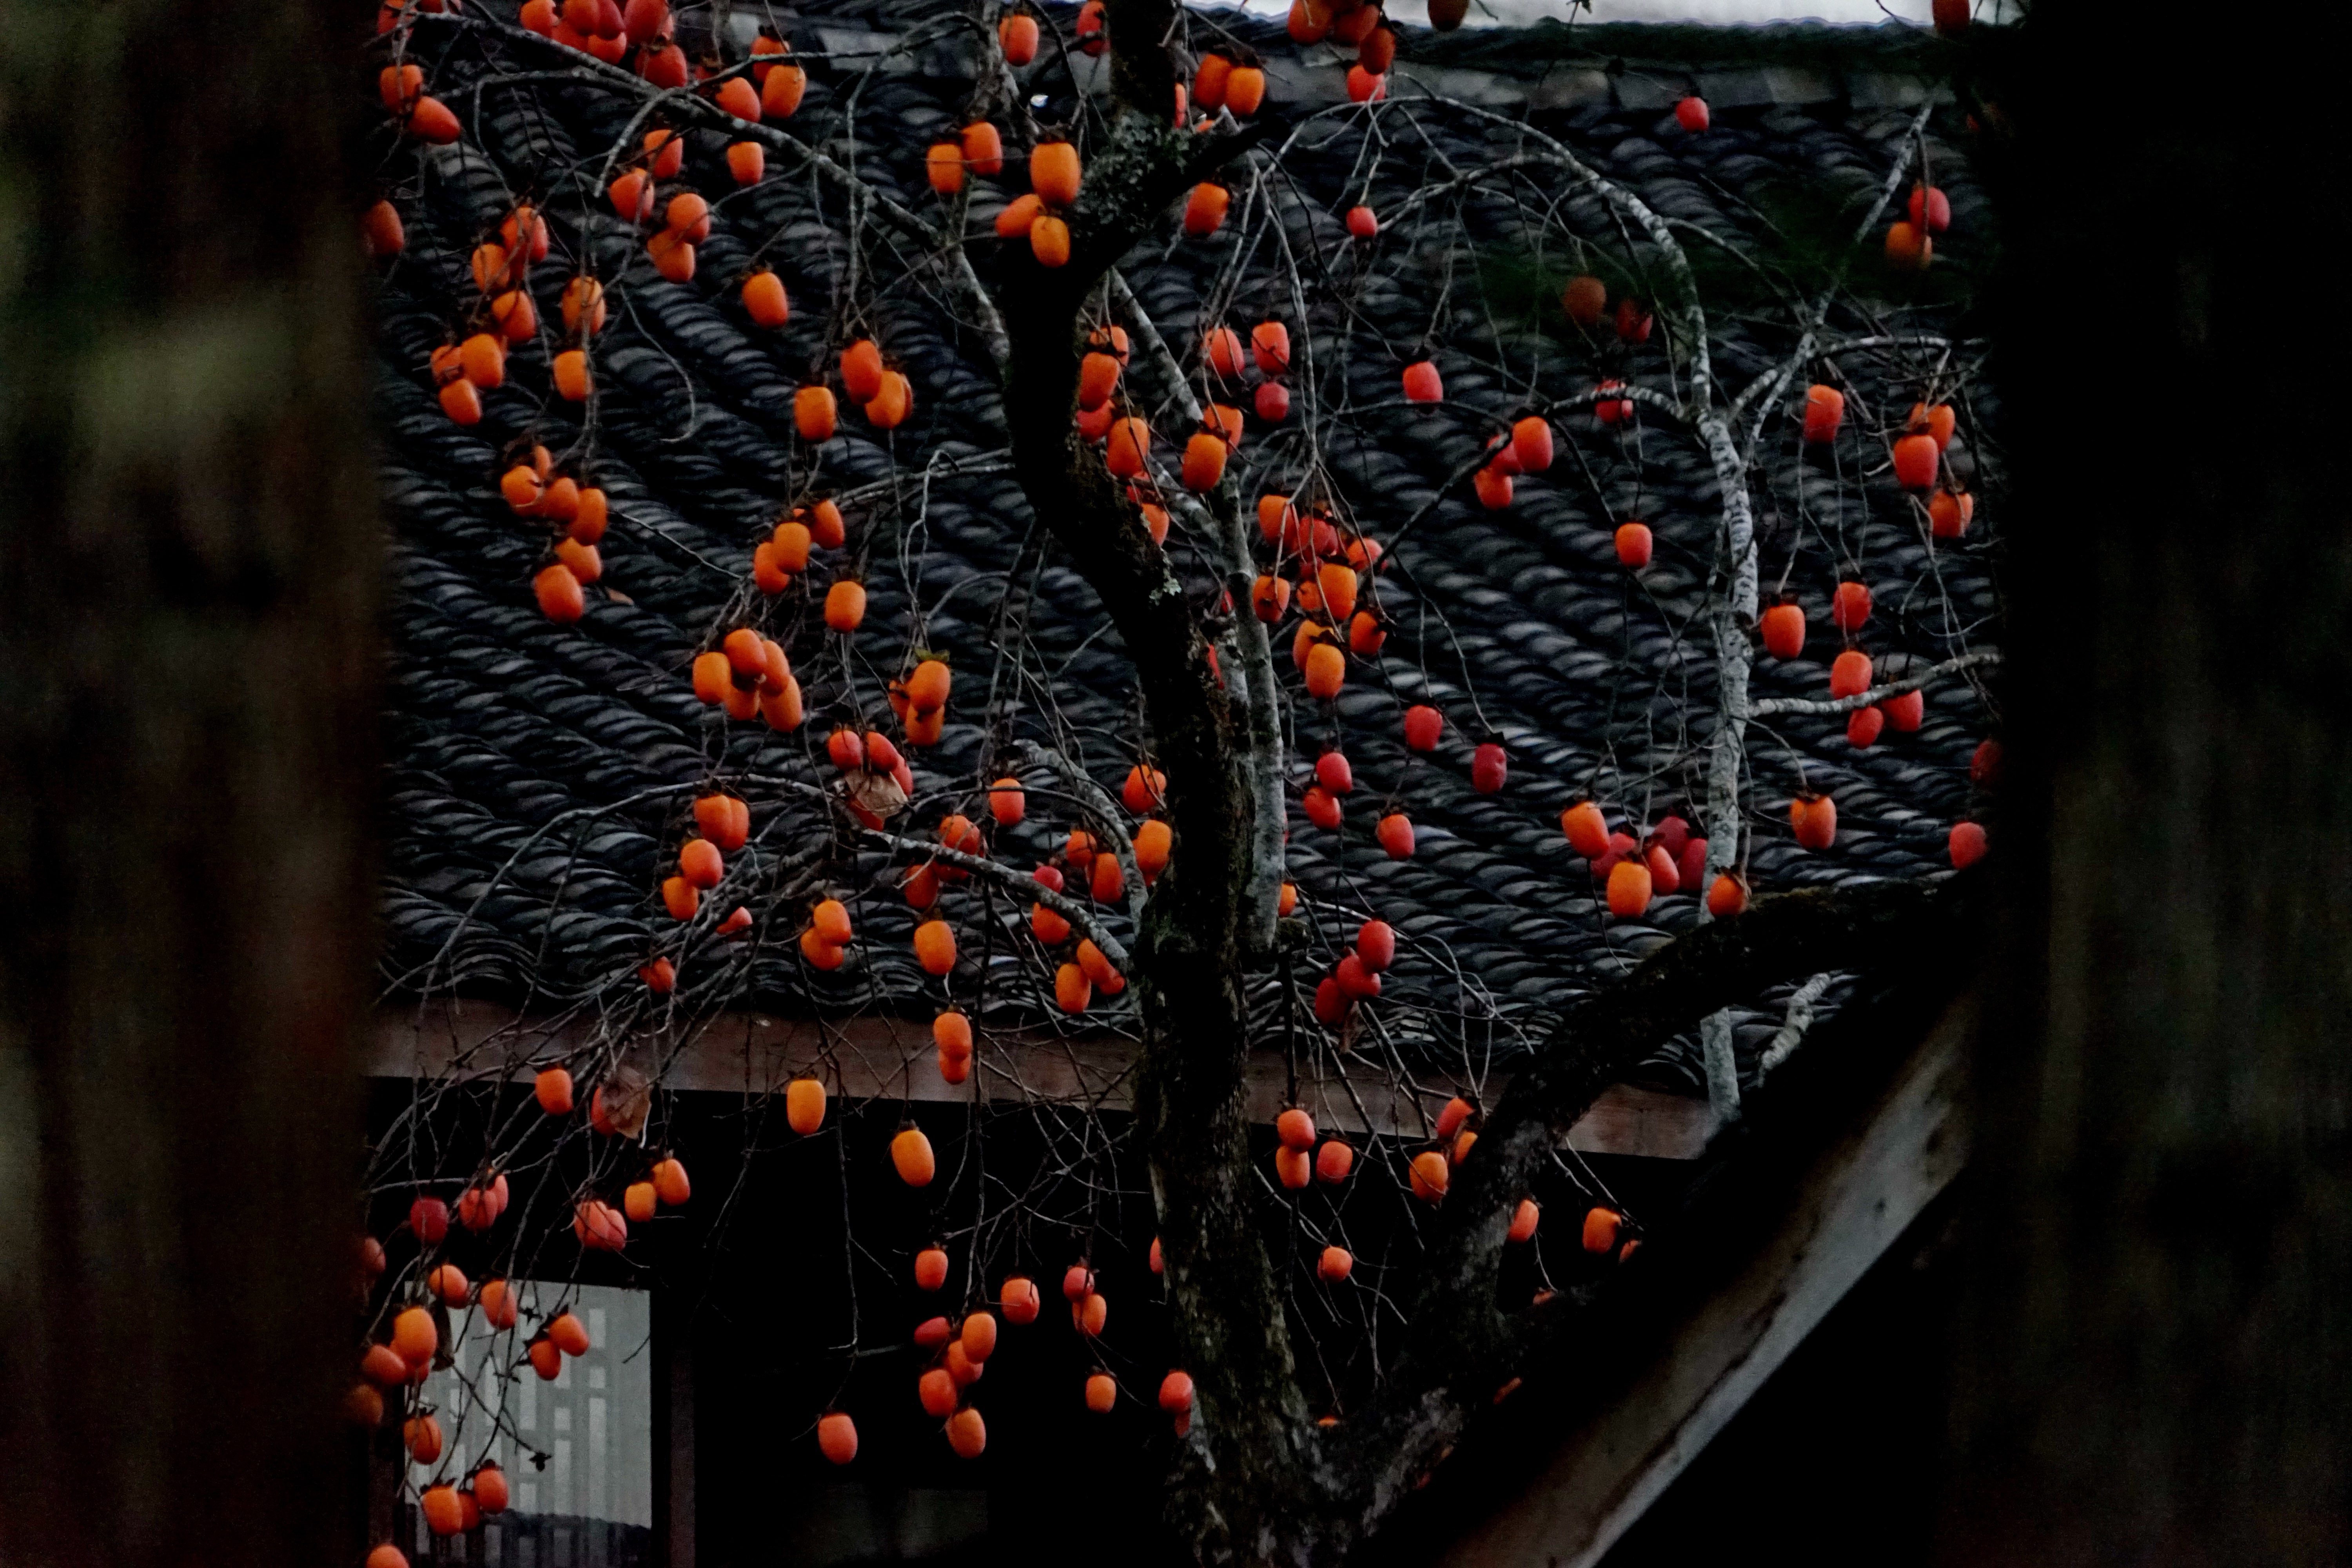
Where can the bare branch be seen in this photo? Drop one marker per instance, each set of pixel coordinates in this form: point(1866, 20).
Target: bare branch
point(1776, 707)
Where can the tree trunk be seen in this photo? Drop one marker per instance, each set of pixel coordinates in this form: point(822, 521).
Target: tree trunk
point(2157, 1361)
point(1225, 1309)
point(188, 651)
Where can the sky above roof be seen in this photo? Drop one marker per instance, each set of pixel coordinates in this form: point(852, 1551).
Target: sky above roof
point(1520, 12)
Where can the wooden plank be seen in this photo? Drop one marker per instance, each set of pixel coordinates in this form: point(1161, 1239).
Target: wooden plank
point(1858, 1198)
point(748, 1053)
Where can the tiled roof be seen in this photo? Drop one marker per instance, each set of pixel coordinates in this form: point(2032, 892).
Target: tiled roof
point(540, 774)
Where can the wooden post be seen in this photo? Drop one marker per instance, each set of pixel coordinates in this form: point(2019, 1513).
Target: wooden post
point(189, 583)
point(2154, 1364)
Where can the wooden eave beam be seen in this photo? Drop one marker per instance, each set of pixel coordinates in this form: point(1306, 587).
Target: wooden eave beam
point(756, 1053)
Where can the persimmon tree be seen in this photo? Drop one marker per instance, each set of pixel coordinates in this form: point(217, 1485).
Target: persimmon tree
point(1205, 472)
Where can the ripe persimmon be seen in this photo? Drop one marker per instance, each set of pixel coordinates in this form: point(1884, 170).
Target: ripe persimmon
point(1450, 1119)
point(1018, 216)
point(1850, 673)
point(700, 864)
point(1326, 671)
point(935, 947)
point(943, 167)
point(1205, 208)
point(570, 375)
point(1727, 896)
point(1017, 36)
point(414, 1336)
point(461, 400)
point(889, 407)
point(1814, 821)
point(1430, 1175)
point(569, 1334)
point(780, 97)
point(1129, 443)
point(738, 97)
point(1053, 173)
point(764, 301)
point(1531, 444)
point(910, 1155)
point(447, 1282)
point(1335, 1264)
point(1524, 1219)
point(588, 517)
point(1948, 512)
point(421, 1436)
point(1908, 248)
point(1333, 1161)
point(430, 120)
point(844, 606)
point(930, 1269)
point(724, 820)
point(836, 1433)
point(444, 1513)
point(1630, 887)
point(982, 146)
point(381, 227)
point(499, 1304)
point(967, 1434)
point(1783, 630)
point(1205, 462)
point(632, 194)
point(1824, 411)
point(1584, 299)
point(1097, 379)
point(553, 1089)
point(813, 413)
point(1494, 487)
point(597, 1226)
point(384, 1366)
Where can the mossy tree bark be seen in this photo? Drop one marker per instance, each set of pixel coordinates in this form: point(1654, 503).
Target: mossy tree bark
point(189, 580)
point(2156, 1364)
point(1245, 1492)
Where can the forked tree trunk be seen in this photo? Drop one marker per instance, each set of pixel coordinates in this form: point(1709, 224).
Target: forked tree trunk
point(189, 583)
point(2157, 1366)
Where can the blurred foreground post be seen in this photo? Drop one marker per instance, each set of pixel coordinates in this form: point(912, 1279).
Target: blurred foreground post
point(189, 581)
point(2157, 1362)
